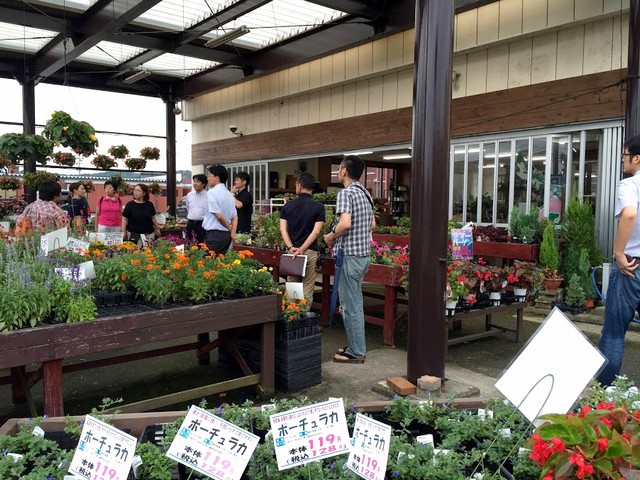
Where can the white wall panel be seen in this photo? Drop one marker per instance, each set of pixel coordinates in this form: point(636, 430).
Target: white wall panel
point(587, 9)
point(325, 105)
point(315, 74)
point(303, 110)
point(314, 107)
point(598, 46)
point(488, 23)
point(389, 89)
point(338, 67)
point(265, 86)
point(395, 51)
point(620, 39)
point(467, 30)
point(293, 82)
point(326, 71)
point(351, 64)
point(379, 55)
point(560, 12)
point(476, 82)
point(570, 52)
point(534, 15)
point(544, 58)
point(349, 104)
point(614, 5)
point(520, 53)
point(293, 112)
point(510, 18)
point(337, 101)
point(405, 88)
point(497, 68)
point(265, 114)
point(362, 97)
point(274, 87)
point(365, 59)
point(409, 39)
point(459, 65)
point(304, 77)
point(375, 95)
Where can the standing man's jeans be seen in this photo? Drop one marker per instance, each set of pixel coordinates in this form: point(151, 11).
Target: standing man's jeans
point(350, 291)
point(623, 298)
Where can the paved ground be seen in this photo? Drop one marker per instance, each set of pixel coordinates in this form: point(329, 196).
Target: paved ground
point(475, 364)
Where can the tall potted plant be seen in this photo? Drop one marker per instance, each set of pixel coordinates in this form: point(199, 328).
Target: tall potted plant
point(550, 259)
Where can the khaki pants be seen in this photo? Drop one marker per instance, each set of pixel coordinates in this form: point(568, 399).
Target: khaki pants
point(309, 280)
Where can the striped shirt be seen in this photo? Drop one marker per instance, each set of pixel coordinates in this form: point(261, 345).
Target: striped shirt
point(356, 201)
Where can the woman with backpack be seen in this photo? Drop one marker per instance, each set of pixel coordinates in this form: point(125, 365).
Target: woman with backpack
point(109, 210)
point(76, 208)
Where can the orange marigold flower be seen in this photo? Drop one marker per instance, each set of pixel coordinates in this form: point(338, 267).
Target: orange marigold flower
point(166, 255)
point(303, 301)
point(247, 253)
point(166, 272)
point(194, 247)
point(123, 276)
point(191, 272)
point(207, 275)
point(149, 267)
point(177, 266)
point(183, 258)
point(136, 262)
point(200, 263)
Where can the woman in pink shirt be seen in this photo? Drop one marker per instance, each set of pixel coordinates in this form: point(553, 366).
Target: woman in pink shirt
point(109, 210)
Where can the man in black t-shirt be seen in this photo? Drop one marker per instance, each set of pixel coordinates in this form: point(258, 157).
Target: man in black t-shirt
point(301, 221)
point(244, 201)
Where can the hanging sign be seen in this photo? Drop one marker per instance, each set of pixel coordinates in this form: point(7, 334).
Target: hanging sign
point(212, 446)
point(103, 452)
point(310, 433)
point(462, 244)
point(369, 448)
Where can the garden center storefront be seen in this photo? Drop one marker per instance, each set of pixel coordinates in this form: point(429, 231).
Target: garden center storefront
point(544, 169)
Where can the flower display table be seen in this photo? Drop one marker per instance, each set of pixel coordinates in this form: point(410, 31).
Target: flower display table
point(50, 345)
point(381, 238)
point(527, 252)
point(266, 256)
point(491, 329)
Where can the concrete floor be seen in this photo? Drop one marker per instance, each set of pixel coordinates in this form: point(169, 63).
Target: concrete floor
point(475, 364)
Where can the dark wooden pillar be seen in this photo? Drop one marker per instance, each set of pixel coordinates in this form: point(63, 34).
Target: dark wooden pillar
point(29, 121)
point(171, 156)
point(632, 125)
point(430, 188)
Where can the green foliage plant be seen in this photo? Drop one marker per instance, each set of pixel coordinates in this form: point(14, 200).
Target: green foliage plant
point(549, 256)
point(118, 151)
point(584, 266)
point(63, 130)
point(19, 147)
point(524, 226)
point(150, 153)
point(32, 180)
point(578, 229)
point(268, 226)
point(574, 295)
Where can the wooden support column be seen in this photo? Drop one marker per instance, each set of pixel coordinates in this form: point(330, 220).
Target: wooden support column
point(29, 121)
point(427, 343)
point(171, 156)
point(52, 388)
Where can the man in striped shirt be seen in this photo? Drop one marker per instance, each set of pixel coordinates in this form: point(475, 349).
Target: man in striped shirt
point(352, 239)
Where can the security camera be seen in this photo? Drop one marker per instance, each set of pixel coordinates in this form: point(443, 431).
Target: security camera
point(177, 110)
point(233, 128)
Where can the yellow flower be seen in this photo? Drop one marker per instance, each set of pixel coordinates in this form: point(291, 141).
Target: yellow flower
point(92, 137)
point(65, 128)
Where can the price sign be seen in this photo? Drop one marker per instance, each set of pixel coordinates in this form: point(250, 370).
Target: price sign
point(76, 245)
point(212, 446)
point(113, 238)
point(103, 452)
point(369, 448)
point(310, 433)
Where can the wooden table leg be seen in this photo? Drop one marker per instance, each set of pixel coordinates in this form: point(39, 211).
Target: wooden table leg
point(389, 315)
point(487, 323)
point(268, 357)
point(18, 390)
point(204, 359)
point(519, 322)
point(326, 299)
point(52, 388)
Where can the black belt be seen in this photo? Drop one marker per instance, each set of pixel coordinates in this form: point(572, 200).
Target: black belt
point(629, 258)
point(195, 221)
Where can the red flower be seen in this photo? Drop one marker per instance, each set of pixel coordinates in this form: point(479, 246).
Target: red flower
point(603, 444)
point(586, 409)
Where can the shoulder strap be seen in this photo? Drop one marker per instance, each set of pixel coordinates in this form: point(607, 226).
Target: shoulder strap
point(100, 201)
point(366, 194)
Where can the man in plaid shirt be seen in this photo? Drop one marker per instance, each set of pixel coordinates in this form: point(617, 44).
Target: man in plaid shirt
point(44, 213)
point(352, 239)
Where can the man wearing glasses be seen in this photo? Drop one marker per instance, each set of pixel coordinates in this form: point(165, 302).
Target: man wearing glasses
point(623, 294)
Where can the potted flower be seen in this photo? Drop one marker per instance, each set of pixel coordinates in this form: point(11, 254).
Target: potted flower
point(118, 151)
point(33, 180)
point(64, 158)
point(150, 153)
point(104, 162)
point(456, 285)
point(63, 130)
point(134, 163)
point(9, 183)
point(523, 276)
point(550, 259)
point(19, 147)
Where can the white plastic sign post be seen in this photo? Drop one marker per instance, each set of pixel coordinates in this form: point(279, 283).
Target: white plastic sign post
point(103, 452)
point(212, 446)
point(53, 241)
point(369, 448)
point(307, 434)
point(552, 369)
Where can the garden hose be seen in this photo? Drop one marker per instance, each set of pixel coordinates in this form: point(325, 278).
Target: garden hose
point(595, 284)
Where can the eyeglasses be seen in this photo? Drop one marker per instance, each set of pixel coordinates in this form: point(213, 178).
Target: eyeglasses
point(622, 155)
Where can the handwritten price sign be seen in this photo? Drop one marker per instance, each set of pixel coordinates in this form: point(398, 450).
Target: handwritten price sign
point(103, 452)
point(212, 446)
point(369, 448)
point(310, 433)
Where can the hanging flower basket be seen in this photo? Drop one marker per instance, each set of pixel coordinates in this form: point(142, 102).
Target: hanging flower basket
point(118, 151)
point(150, 153)
point(63, 130)
point(33, 180)
point(18, 147)
point(105, 162)
point(135, 163)
point(9, 183)
point(65, 159)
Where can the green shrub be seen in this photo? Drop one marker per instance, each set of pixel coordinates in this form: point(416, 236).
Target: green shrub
point(575, 294)
point(585, 274)
point(549, 257)
point(578, 230)
point(524, 226)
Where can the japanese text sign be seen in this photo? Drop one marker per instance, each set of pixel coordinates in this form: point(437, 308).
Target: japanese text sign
point(212, 446)
point(462, 244)
point(369, 448)
point(76, 245)
point(112, 238)
point(310, 433)
point(103, 452)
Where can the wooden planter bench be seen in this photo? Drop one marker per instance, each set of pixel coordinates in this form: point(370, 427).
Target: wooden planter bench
point(50, 345)
point(491, 329)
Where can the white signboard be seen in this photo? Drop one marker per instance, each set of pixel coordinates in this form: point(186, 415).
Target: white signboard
point(97, 237)
point(552, 369)
point(72, 274)
point(212, 446)
point(113, 238)
point(76, 245)
point(310, 433)
point(369, 448)
point(89, 269)
point(53, 241)
point(103, 452)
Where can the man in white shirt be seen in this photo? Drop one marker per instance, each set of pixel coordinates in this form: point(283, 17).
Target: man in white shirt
point(196, 203)
point(221, 220)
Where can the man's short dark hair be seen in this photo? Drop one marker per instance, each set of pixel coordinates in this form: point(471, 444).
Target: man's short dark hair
point(109, 182)
point(49, 190)
point(74, 186)
point(219, 171)
point(306, 181)
point(633, 145)
point(354, 165)
point(243, 176)
point(201, 177)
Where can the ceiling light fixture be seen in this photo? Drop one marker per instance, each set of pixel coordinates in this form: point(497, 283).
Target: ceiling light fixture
point(358, 153)
point(227, 37)
point(137, 76)
point(399, 156)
